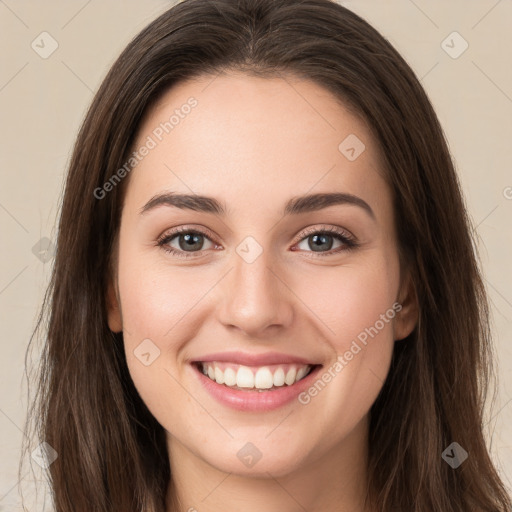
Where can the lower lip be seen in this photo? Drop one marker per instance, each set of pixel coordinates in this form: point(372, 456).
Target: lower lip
point(253, 400)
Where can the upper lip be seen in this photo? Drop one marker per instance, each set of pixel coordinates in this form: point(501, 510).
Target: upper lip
point(248, 359)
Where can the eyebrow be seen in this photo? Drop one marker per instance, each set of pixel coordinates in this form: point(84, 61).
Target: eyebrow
point(295, 206)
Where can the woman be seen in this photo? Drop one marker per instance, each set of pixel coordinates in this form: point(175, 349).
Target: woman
point(204, 352)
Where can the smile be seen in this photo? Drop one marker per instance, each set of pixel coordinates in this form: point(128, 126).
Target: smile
point(262, 378)
point(254, 388)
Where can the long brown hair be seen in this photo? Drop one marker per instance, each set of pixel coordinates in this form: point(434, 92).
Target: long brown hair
point(111, 451)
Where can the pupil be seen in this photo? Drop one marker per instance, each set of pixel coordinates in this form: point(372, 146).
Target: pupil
point(318, 240)
point(190, 240)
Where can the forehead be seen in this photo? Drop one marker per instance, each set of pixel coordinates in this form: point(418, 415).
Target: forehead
point(252, 140)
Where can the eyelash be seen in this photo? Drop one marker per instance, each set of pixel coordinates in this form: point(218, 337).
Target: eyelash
point(349, 241)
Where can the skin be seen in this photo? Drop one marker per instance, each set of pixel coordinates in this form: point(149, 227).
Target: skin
point(254, 143)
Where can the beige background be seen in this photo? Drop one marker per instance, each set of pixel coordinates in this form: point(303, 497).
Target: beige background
point(42, 102)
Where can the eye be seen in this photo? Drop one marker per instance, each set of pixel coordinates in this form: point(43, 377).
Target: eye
point(191, 241)
point(319, 239)
point(187, 239)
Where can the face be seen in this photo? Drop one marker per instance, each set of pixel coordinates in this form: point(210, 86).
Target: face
point(266, 283)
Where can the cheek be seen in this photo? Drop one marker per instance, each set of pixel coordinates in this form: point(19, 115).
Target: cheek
point(356, 306)
point(159, 307)
point(156, 297)
point(350, 300)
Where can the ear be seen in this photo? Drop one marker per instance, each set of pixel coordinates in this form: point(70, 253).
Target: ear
point(406, 318)
point(115, 321)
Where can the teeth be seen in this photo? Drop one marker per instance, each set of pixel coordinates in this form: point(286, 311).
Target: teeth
point(240, 376)
point(219, 376)
point(290, 376)
point(244, 377)
point(230, 377)
point(300, 373)
point(279, 377)
point(263, 379)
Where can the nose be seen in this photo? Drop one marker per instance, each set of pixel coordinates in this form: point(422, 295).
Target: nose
point(255, 298)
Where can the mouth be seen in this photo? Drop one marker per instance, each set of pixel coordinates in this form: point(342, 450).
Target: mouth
point(249, 378)
point(255, 388)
